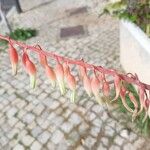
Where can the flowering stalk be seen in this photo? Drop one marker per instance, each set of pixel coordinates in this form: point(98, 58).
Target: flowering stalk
point(92, 85)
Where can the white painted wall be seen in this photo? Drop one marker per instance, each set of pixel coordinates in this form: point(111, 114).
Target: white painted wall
point(135, 50)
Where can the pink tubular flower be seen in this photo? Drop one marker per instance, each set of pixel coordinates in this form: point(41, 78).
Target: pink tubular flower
point(106, 88)
point(25, 57)
point(66, 70)
point(87, 85)
point(95, 85)
point(147, 110)
point(31, 70)
point(13, 58)
point(123, 98)
point(134, 101)
point(117, 84)
point(142, 99)
point(147, 101)
point(50, 74)
point(42, 59)
point(59, 71)
point(101, 77)
point(82, 72)
point(72, 85)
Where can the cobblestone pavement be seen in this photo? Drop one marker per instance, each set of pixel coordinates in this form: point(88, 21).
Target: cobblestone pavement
point(42, 118)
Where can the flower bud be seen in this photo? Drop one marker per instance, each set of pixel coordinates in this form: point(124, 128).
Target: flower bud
point(59, 71)
point(142, 99)
point(87, 85)
point(72, 85)
point(25, 57)
point(42, 59)
point(134, 101)
point(95, 85)
point(66, 70)
point(123, 99)
point(106, 88)
point(13, 58)
point(117, 84)
point(31, 70)
point(82, 72)
point(50, 74)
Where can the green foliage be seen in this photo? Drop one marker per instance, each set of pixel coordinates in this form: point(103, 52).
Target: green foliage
point(115, 8)
point(144, 127)
point(3, 45)
point(138, 13)
point(18, 34)
point(23, 34)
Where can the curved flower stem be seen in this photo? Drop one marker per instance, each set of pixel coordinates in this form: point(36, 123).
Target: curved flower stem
point(112, 72)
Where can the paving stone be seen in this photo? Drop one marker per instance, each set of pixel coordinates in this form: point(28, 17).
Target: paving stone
point(18, 147)
point(132, 136)
point(29, 107)
point(105, 141)
point(51, 116)
point(90, 141)
point(36, 146)
point(21, 134)
point(21, 104)
point(83, 127)
point(45, 124)
point(12, 133)
point(98, 109)
point(104, 116)
point(119, 141)
point(21, 113)
point(67, 127)
point(27, 140)
point(101, 147)
point(4, 140)
point(57, 136)
point(20, 125)
point(124, 133)
point(95, 131)
point(90, 116)
point(67, 113)
point(97, 122)
point(73, 137)
point(32, 125)
point(138, 143)
point(75, 119)
point(80, 147)
point(12, 121)
point(38, 109)
point(128, 146)
point(114, 147)
point(109, 131)
point(28, 118)
point(43, 138)
point(54, 105)
point(36, 131)
point(58, 121)
point(51, 145)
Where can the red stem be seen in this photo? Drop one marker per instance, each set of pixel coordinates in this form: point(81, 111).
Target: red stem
point(78, 62)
